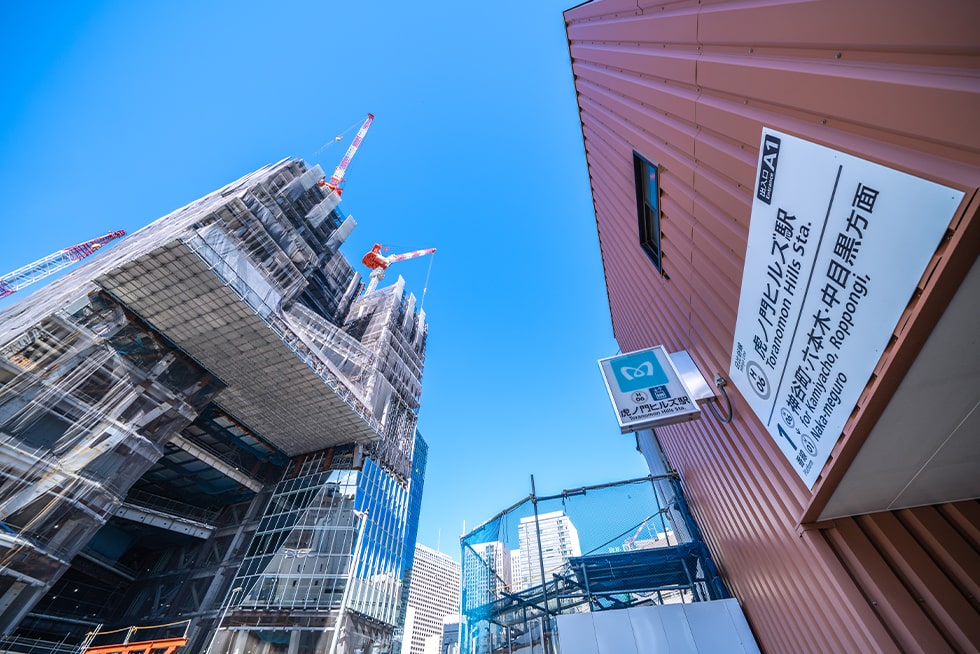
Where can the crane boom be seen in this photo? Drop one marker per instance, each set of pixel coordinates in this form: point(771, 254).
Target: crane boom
point(338, 174)
point(37, 270)
point(410, 255)
point(375, 260)
point(378, 262)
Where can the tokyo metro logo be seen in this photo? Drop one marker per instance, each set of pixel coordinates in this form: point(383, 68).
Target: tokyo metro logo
point(638, 371)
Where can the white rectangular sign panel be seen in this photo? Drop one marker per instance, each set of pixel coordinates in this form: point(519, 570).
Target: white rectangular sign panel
point(646, 390)
point(836, 247)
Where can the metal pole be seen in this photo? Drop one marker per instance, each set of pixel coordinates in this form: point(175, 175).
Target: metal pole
point(588, 590)
point(362, 516)
point(90, 638)
point(214, 636)
point(537, 529)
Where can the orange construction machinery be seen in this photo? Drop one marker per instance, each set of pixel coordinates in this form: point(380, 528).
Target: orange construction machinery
point(335, 180)
point(161, 642)
point(162, 646)
point(378, 262)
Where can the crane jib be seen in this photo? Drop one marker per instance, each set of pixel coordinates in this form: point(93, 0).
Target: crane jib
point(341, 169)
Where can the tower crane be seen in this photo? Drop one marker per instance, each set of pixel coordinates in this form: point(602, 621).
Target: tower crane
point(49, 265)
point(333, 183)
point(378, 262)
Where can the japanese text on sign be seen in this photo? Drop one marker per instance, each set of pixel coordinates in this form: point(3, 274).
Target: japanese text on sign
point(646, 390)
point(836, 248)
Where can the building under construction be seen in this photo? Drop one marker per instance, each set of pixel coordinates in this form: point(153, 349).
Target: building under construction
point(212, 423)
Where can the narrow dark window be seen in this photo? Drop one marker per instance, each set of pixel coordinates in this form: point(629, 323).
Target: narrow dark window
point(647, 177)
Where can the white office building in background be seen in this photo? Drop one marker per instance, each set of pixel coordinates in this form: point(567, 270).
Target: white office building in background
point(433, 594)
point(559, 542)
point(491, 576)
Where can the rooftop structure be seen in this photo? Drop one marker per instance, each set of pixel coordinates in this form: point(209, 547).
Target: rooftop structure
point(200, 404)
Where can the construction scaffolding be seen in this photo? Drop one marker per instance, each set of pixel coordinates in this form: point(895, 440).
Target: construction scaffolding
point(596, 548)
point(387, 323)
point(88, 398)
point(152, 398)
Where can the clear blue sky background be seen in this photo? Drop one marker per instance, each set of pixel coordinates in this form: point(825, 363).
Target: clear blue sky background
point(115, 113)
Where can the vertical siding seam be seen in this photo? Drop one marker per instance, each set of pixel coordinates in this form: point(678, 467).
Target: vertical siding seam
point(955, 557)
point(938, 597)
point(846, 560)
point(852, 608)
point(912, 631)
point(965, 518)
point(787, 584)
point(907, 607)
point(772, 529)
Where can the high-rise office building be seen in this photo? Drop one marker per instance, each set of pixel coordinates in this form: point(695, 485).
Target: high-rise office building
point(452, 635)
point(433, 595)
point(520, 577)
point(213, 424)
point(546, 541)
point(490, 576)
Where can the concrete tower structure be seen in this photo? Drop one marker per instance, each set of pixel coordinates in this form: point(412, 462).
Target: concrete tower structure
point(211, 424)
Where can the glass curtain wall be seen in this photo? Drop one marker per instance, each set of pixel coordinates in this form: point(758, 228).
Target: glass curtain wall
point(301, 555)
point(302, 550)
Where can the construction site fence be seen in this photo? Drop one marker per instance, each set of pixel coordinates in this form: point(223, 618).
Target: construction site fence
point(595, 548)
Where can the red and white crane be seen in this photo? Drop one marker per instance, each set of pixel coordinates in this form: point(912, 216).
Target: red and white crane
point(49, 265)
point(378, 262)
point(333, 183)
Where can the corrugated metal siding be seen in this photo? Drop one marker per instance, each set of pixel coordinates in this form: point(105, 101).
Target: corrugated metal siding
point(690, 85)
point(919, 568)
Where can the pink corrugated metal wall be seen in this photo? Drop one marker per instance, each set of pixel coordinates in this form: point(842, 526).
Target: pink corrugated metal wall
point(690, 85)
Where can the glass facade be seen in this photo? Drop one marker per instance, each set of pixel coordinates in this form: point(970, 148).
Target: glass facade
point(302, 557)
point(420, 456)
point(377, 579)
point(301, 552)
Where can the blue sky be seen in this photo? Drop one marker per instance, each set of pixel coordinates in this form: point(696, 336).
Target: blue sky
point(115, 113)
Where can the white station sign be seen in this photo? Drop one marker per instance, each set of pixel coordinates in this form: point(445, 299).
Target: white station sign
point(836, 247)
point(646, 390)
